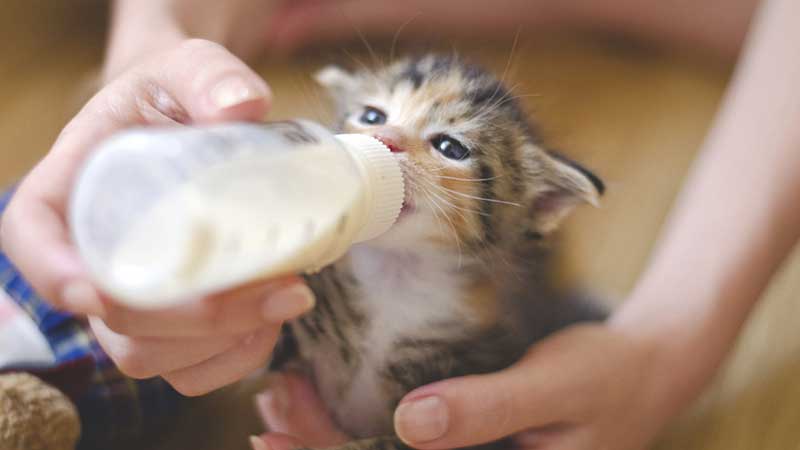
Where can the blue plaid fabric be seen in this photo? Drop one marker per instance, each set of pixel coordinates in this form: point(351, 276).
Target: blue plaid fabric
point(114, 408)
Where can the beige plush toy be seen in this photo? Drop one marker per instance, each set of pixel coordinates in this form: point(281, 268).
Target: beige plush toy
point(35, 415)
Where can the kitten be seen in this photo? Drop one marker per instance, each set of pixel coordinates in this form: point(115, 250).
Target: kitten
point(458, 285)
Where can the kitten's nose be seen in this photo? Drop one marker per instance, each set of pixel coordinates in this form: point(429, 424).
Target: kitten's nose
point(392, 138)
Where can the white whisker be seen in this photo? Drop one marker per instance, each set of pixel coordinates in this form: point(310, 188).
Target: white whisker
point(481, 213)
point(443, 177)
point(474, 197)
point(397, 34)
point(452, 226)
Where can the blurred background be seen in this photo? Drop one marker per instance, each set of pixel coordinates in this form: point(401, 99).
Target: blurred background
point(635, 115)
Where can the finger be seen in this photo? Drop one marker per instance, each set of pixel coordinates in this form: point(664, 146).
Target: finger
point(34, 237)
point(481, 408)
point(207, 81)
point(148, 357)
point(292, 406)
point(197, 82)
point(275, 441)
point(241, 310)
point(34, 231)
point(225, 368)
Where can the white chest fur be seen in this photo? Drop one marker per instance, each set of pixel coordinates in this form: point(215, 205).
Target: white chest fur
point(403, 294)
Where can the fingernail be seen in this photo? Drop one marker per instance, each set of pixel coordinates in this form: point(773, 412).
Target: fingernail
point(258, 444)
point(273, 403)
point(422, 420)
point(234, 91)
point(80, 296)
point(288, 303)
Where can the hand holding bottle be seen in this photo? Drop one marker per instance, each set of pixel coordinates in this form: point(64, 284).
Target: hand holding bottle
point(223, 337)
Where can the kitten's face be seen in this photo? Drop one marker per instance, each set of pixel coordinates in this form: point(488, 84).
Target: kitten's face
point(475, 177)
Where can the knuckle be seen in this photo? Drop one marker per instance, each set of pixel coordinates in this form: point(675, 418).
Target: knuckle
point(156, 105)
point(139, 97)
point(114, 105)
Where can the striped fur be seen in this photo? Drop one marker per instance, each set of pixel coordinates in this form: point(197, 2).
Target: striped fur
point(458, 286)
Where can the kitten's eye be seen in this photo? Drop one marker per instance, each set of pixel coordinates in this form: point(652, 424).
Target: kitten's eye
point(372, 116)
point(450, 147)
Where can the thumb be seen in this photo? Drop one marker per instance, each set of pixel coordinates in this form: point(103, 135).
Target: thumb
point(207, 83)
point(476, 409)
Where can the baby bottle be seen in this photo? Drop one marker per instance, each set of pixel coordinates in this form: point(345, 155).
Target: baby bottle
point(164, 215)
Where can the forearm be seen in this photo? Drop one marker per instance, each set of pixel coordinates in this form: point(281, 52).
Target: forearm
point(736, 220)
point(140, 28)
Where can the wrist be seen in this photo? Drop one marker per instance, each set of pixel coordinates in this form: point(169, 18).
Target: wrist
point(683, 344)
point(137, 31)
point(121, 57)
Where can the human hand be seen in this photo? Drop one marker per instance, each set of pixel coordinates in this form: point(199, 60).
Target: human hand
point(586, 387)
point(295, 416)
point(202, 344)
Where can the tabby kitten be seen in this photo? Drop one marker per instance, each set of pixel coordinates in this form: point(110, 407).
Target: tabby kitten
point(458, 285)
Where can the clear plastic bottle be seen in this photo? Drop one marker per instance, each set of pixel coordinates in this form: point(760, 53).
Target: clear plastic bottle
point(163, 215)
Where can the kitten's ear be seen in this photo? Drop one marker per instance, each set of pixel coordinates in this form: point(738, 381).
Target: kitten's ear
point(566, 185)
point(336, 80)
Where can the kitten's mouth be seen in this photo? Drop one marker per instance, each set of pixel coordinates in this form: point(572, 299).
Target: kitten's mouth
point(408, 208)
point(389, 144)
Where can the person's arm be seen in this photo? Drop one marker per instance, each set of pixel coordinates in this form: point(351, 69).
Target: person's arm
point(616, 385)
point(138, 30)
point(738, 216)
point(142, 28)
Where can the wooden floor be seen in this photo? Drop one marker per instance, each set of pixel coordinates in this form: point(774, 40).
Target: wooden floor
point(633, 116)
